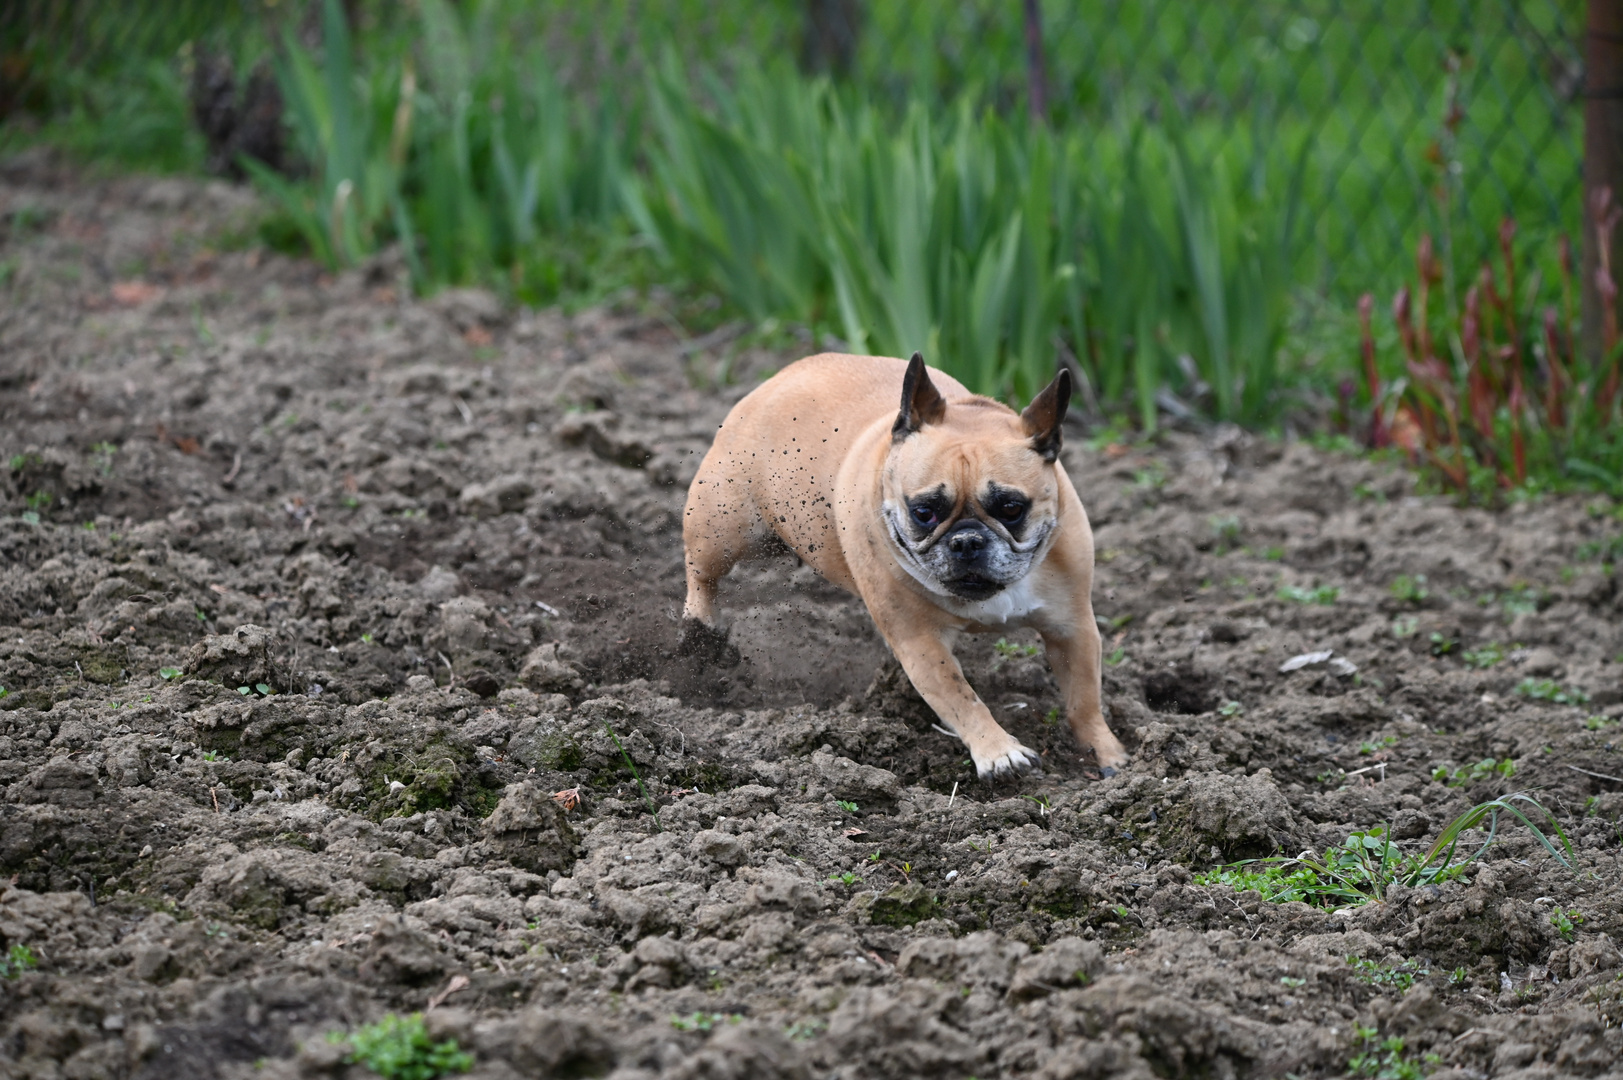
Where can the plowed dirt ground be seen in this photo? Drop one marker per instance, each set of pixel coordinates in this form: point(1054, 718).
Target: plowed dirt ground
point(313, 595)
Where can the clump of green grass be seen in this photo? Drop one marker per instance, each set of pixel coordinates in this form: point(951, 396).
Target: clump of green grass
point(703, 1021)
point(1388, 1059)
point(1396, 976)
point(1551, 691)
point(1008, 650)
point(18, 959)
point(1486, 769)
point(399, 1048)
point(1485, 656)
point(1369, 863)
point(1410, 590)
point(1323, 595)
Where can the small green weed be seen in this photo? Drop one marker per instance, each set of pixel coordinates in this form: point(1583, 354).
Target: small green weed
point(398, 1048)
point(1410, 590)
point(648, 799)
point(1226, 527)
point(1522, 600)
point(847, 879)
point(39, 500)
point(1369, 747)
point(18, 959)
point(1459, 977)
point(167, 673)
point(1405, 627)
point(1599, 723)
point(846, 805)
point(1274, 554)
point(1387, 1059)
point(703, 1021)
point(1566, 922)
point(1323, 595)
point(214, 755)
point(1484, 656)
point(1551, 691)
point(1399, 977)
point(1485, 769)
point(1230, 708)
point(1007, 650)
point(1291, 981)
point(1442, 645)
point(1051, 717)
point(803, 1030)
point(1116, 657)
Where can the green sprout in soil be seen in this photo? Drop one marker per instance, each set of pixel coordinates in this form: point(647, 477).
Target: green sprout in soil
point(1405, 627)
point(803, 1030)
point(1371, 746)
point(1551, 691)
point(3, 691)
point(1116, 657)
point(214, 755)
point(1484, 657)
point(1566, 922)
point(847, 879)
point(1386, 1059)
point(637, 776)
point(1368, 863)
point(1398, 977)
point(18, 959)
point(167, 673)
point(1051, 717)
point(1230, 708)
point(1442, 645)
point(1522, 600)
point(399, 1048)
point(703, 1021)
point(1323, 595)
point(1599, 723)
point(846, 805)
point(1486, 769)
point(1410, 590)
point(1459, 977)
point(1007, 650)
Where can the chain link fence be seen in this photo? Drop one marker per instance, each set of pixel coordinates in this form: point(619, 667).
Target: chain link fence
point(1404, 116)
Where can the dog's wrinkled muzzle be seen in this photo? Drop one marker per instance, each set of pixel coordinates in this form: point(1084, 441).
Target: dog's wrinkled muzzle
point(969, 546)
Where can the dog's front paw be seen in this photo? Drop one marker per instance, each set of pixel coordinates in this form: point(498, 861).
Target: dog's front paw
point(1014, 760)
point(707, 644)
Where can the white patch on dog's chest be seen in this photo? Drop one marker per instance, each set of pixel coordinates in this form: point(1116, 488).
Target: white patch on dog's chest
point(1017, 603)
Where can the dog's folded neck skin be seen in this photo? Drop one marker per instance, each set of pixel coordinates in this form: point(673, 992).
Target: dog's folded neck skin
point(968, 492)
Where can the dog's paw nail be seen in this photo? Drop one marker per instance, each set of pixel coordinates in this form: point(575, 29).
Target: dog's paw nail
point(1106, 771)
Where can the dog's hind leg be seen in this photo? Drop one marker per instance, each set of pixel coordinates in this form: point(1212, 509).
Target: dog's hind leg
point(718, 530)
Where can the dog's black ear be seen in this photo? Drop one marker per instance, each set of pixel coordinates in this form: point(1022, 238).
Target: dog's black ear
point(1046, 412)
point(922, 403)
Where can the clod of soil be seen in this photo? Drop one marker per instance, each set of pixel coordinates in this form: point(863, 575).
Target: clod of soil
point(342, 676)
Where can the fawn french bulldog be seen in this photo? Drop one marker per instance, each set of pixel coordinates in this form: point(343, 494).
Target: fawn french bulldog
point(950, 513)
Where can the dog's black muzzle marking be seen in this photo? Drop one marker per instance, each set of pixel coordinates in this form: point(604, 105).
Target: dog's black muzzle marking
point(968, 545)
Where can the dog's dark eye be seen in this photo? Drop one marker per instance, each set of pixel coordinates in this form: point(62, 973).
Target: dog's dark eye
point(924, 516)
point(1011, 512)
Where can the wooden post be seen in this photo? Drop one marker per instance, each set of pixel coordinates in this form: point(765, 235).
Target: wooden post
point(830, 39)
point(1036, 69)
point(1603, 153)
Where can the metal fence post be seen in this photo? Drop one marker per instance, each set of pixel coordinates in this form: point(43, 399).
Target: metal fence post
point(1603, 151)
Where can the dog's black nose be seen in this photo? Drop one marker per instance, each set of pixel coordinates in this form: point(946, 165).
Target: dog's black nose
point(966, 543)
